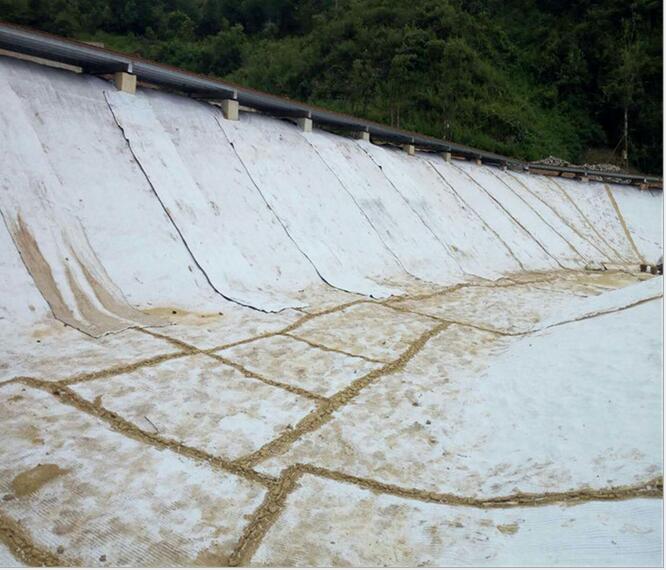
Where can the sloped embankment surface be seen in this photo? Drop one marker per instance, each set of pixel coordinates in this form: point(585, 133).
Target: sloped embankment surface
point(230, 343)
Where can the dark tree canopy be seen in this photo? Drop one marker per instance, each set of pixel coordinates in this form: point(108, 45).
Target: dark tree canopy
point(527, 78)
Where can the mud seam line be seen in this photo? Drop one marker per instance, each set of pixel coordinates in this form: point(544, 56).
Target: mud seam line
point(336, 350)
point(603, 313)
point(123, 369)
point(274, 383)
point(496, 332)
point(620, 217)
point(275, 501)
point(168, 214)
point(571, 226)
point(652, 488)
point(176, 342)
point(589, 223)
point(315, 419)
point(510, 216)
point(367, 218)
point(238, 367)
point(536, 213)
point(264, 517)
point(297, 323)
point(486, 224)
point(67, 396)
point(446, 247)
point(20, 544)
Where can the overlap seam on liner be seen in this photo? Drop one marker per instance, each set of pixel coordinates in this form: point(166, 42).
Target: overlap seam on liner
point(335, 350)
point(426, 224)
point(623, 223)
point(473, 210)
point(589, 223)
point(363, 213)
point(168, 214)
point(538, 214)
point(273, 212)
point(552, 209)
point(510, 216)
point(324, 411)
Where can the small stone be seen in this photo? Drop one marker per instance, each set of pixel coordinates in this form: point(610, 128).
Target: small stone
point(8, 497)
point(102, 558)
point(60, 549)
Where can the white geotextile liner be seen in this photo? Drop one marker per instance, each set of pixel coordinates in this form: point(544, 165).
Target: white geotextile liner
point(578, 308)
point(332, 524)
point(549, 240)
point(472, 244)
point(418, 250)
point(642, 212)
point(316, 211)
point(52, 242)
point(228, 227)
point(527, 252)
point(101, 188)
point(593, 201)
point(549, 191)
point(580, 251)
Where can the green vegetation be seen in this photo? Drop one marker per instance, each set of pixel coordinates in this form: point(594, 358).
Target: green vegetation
point(526, 78)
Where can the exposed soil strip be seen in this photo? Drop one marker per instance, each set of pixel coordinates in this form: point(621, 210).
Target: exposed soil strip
point(20, 544)
point(652, 488)
point(68, 397)
point(239, 367)
point(254, 376)
point(620, 217)
point(329, 349)
point(315, 419)
point(264, 517)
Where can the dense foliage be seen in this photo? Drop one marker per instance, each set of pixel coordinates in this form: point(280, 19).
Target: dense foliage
point(527, 78)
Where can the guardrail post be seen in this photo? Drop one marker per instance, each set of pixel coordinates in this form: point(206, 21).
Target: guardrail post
point(362, 136)
point(478, 161)
point(125, 82)
point(446, 156)
point(230, 109)
point(305, 124)
point(409, 149)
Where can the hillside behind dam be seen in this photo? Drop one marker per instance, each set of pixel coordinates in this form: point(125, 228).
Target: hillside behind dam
point(283, 347)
